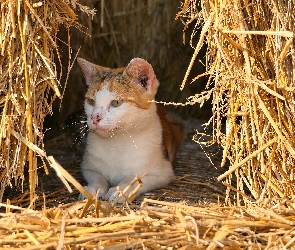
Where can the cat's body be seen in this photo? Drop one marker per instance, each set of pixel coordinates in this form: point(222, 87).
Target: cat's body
point(129, 134)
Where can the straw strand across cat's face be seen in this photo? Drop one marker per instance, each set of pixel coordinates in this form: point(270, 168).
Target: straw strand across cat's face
point(115, 95)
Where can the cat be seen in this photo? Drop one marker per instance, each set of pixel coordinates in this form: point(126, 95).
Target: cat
point(129, 134)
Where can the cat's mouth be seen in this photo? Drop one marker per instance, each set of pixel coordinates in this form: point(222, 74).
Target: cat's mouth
point(104, 132)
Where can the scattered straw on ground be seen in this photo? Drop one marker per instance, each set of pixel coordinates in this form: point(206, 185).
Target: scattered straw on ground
point(250, 66)
point(152, 225)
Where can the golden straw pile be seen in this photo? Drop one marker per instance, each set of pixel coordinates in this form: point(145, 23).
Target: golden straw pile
point(152, 225)
point(28, 80)
point(250, 69)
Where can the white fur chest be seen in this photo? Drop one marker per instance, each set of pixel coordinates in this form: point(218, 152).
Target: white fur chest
point(125, 154)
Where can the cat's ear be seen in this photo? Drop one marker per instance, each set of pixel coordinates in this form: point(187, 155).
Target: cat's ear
point(90, 70)
point(142, 73)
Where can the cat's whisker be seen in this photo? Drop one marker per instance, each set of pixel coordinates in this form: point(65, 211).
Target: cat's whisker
point(78, 127)
point(129, 137)
point(82, 128)
point(135, 127)
point(75, 123)
point(113, 136)
point(82, 132)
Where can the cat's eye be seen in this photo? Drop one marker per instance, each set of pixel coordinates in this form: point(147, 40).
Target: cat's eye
point(90, 101)
point(116, 103)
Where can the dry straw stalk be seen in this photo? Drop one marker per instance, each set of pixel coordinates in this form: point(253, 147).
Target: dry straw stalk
point(28, 81)
point(152, 225)
point(250, 64)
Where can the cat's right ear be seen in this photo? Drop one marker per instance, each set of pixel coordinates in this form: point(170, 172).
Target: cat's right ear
point(89, 69)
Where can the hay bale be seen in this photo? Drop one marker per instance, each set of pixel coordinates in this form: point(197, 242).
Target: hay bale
point(28, 81)
point(250, 61)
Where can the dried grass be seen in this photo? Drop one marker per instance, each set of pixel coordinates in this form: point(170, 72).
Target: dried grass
point(250, 64)
point(28, 81)
point(151, 225)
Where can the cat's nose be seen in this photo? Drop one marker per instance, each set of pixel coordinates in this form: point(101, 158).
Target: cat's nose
point(95, 119)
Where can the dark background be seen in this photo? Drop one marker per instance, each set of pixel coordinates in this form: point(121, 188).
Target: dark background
point(120, 31)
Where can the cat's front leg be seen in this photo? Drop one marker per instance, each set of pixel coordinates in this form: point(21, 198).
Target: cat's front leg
point(114, 192)
point(94, 190)
point(97, 184)
point(149, 182)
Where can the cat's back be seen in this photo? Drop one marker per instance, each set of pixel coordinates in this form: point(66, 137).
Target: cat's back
point(173, 132)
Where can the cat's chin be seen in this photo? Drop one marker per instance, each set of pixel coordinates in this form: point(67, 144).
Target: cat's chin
point(102, 132)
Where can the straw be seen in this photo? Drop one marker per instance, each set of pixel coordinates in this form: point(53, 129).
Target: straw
point(154, 224)
point(28, 81)
point(249, 56)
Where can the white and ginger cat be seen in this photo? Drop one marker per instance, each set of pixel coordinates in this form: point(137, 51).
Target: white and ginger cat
point(129, 134)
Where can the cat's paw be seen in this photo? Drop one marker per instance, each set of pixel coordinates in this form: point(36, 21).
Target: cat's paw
point(81, 197)
point(92, 190)
point(113, 194)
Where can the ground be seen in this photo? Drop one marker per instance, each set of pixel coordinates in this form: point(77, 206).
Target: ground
point(196, 181)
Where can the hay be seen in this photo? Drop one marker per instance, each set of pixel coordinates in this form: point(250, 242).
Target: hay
point(250, 64)
point(152, 225)
point(28, 81)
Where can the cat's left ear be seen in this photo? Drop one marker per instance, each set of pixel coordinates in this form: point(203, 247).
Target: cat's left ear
point(143, 74)
point(90, 70)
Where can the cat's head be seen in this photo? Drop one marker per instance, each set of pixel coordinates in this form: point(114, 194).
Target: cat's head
point(115, 96)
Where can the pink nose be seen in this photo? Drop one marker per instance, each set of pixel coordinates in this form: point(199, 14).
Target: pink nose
point(95, 119)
